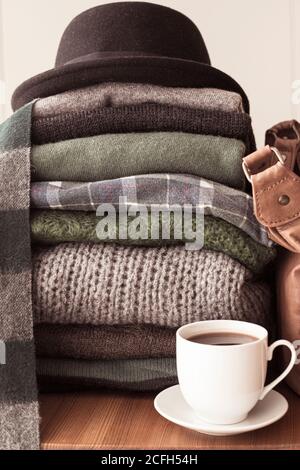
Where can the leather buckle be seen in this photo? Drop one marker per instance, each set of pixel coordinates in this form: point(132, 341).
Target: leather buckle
point(280, 157)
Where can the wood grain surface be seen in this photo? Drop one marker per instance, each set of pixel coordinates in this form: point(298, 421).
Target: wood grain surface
point(115, 420)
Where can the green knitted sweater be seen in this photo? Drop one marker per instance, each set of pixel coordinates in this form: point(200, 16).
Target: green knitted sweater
point(52, 227)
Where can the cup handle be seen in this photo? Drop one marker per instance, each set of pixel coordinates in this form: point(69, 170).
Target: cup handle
point(280, 342)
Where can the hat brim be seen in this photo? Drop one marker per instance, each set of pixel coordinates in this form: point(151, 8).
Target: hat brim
point(163, 71)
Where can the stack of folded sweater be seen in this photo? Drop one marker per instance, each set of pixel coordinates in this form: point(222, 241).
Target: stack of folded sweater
point(106, 310)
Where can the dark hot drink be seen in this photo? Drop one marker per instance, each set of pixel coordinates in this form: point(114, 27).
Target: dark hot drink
point(225, 338)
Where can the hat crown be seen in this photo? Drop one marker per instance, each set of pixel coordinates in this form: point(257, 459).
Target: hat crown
point(131, 28)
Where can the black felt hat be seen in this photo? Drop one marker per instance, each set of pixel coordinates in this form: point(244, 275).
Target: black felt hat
point(128, 42)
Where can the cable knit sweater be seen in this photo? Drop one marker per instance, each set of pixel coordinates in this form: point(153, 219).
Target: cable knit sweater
point(111, 284)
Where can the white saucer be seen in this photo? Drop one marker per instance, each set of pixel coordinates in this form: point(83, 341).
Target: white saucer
point(171, 405)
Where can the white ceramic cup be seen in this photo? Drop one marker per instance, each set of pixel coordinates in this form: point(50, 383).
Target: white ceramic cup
point(223, 383)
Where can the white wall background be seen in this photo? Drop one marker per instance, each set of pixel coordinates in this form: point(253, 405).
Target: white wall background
point(257, 42)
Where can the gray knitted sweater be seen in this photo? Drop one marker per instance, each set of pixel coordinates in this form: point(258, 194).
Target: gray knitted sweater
point(122, 94)
point(111, 284)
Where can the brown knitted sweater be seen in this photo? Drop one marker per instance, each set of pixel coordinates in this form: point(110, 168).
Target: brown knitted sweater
point(104, 342)
point(143, 118)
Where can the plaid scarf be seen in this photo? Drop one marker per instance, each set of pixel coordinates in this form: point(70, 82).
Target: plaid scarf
point(19, 416)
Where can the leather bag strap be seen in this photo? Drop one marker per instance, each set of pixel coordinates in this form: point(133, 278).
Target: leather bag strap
point(274, 174)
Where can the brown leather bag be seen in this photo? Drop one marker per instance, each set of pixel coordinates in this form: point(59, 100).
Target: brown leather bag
point(274, 174)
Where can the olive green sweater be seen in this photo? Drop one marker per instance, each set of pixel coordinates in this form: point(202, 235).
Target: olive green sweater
point(51, 227)
point(117, 155)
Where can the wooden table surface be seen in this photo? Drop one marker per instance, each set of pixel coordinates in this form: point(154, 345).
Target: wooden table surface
point(115, 420)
